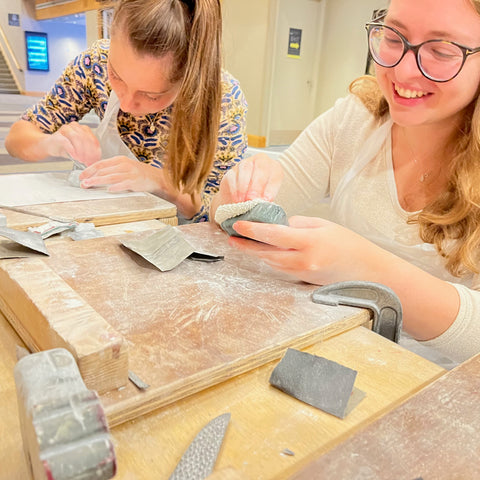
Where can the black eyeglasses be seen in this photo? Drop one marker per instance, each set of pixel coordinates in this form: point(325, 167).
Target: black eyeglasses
point(438, 60)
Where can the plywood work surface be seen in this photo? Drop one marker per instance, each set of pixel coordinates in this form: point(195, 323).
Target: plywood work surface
point(98, 209)
point(264, 421)
point(433, 435)
point(100, 212)
point(196, 325)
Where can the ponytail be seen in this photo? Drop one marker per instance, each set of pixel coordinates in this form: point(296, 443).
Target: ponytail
point(196, 118)
point(190, 30)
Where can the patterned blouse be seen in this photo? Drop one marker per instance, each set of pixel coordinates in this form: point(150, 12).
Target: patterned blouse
point(84, 86)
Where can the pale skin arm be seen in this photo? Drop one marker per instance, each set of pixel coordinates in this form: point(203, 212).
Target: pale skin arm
point(27, 142)
point(321, 252)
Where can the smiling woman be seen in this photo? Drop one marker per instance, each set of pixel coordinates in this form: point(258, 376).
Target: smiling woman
point(172, 122)
point(398, 160)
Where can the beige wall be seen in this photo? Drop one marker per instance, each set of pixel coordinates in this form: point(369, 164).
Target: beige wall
point(91, 21)
point(248, 33)
point(246, 36)
point(344, 47)
point(248, 46)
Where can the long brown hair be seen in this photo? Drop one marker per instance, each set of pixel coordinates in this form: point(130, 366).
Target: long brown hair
point(452, 221)
point(191, 30)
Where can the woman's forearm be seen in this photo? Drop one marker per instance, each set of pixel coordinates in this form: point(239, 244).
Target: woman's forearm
point(27, 142)
point(430, 305)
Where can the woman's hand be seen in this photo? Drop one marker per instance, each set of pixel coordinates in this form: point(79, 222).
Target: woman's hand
point(121, 174)
point(258, 176)
point(312, 249)
point(74, 141)
point(321, 252)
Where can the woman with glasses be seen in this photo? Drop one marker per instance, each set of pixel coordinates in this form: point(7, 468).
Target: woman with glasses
point(399, 160)
point(172, 122)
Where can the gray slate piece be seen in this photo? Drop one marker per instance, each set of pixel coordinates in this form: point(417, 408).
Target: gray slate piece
point(320, 382)
point(165, 249)
point(263, 212)
point(20, 239)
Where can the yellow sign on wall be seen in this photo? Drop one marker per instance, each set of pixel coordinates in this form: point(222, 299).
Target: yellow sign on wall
point(294, 42)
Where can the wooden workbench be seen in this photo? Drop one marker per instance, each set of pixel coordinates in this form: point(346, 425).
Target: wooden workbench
point(185, 330)
point(99, 212)
point(264, 420)
point(434, 435)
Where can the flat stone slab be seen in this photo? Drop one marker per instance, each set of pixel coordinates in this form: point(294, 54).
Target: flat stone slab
point(320, 382)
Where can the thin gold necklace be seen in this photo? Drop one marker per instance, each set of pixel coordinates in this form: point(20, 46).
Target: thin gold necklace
point(423, 175)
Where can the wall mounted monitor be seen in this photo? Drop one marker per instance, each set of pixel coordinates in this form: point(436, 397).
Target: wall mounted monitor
point(36, 44)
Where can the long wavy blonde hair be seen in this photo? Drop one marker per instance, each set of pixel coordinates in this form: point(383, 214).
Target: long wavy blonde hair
point(190, 30)
point(452, 221)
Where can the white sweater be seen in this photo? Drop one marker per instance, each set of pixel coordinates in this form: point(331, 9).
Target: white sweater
point(315, 166)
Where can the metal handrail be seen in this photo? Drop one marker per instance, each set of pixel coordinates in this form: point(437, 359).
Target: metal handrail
point(10, 51)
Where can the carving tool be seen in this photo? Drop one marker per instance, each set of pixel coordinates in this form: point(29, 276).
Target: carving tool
point(77, 165)
point(198, 461)
point(64, 429)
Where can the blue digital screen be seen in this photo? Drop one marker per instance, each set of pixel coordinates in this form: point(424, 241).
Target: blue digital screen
point(37, 51)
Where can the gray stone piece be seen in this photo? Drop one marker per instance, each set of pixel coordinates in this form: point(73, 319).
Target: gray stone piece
point(263, 212)
point(320, 382)
point(165, 249)
point(22, 244)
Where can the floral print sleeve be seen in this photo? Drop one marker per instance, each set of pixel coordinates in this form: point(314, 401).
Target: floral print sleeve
point(81, 87)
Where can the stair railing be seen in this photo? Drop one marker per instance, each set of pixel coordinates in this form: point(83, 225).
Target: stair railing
point(10, 56)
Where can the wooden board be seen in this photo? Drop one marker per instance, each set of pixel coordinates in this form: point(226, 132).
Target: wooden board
point(47, 313)
point(100, 212)
point(186, 329)
point(434, 435)
point(265, 421)
point(12, 458)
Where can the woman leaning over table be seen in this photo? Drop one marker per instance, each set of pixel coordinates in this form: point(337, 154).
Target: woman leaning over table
point(172, 122)
point(399, 159)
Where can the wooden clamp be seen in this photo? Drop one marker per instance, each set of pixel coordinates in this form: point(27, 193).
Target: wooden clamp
point(64, 429)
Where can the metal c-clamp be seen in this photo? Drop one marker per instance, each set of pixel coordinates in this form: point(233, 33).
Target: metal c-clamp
point(379, 299)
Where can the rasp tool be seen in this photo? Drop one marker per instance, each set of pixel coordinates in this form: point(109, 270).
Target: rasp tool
point(199, 459)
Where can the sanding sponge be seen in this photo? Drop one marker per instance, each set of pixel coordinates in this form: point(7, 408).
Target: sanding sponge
point(256, 210)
